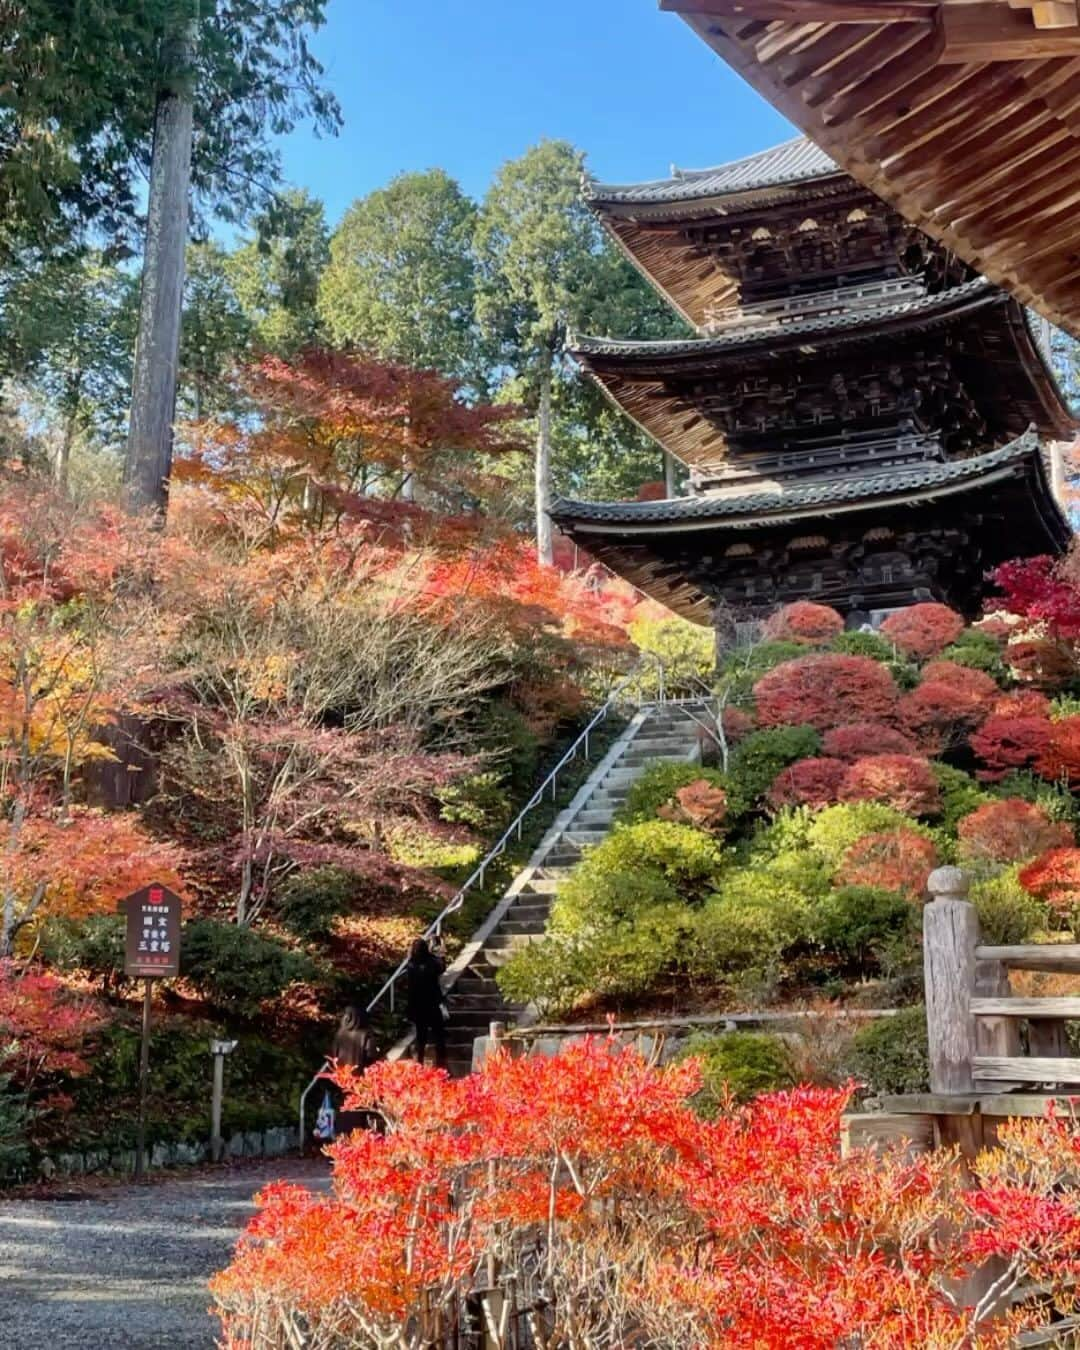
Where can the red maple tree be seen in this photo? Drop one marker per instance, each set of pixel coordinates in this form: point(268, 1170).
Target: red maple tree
point(825, 690)
point(894, 860)
point(1006, 742)
point(921, 631)
point(811, 782)
point(859, 739)
point(1011, 830)
point(905, 782)
point(806, 622)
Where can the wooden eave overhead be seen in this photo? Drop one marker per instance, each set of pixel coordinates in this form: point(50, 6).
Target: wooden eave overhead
point(964, 114)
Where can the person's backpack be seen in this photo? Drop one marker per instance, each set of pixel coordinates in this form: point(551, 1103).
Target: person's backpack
point(324, 1121)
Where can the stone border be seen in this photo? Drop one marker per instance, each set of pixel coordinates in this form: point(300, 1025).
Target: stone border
point(271, 1143)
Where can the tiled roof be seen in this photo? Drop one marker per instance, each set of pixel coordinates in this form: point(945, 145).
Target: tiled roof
point(793, 162)
point(752, 334)
point(892, 483)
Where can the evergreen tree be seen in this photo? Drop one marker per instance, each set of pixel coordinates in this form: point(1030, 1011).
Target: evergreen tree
point(400, 283)
point(215, 332)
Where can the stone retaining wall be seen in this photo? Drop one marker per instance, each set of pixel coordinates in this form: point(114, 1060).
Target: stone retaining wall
point(273, 1143)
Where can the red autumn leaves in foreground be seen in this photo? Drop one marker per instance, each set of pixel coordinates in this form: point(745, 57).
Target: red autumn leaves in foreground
point(613, 1215)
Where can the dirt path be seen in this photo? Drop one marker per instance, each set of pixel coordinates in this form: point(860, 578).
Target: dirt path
point(126, 1266)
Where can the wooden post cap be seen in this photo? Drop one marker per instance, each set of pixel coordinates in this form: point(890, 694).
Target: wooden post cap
point(948, 883)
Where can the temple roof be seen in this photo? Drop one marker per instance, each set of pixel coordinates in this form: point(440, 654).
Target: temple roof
point(690, 551)
point(834, 327)
point(962, 115)
point(852, 492)
point(666, 387)
point(795, 161)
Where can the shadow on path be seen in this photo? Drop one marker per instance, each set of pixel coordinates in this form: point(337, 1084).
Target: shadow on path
point(127, 1267)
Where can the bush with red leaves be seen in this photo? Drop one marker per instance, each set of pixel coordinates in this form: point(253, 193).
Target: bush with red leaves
point(1011, 830)
point(942, 711)
point(825, 690)
point(1022, 703)
point(898, 860)
point(904, 782)
point(859, 739)
point(1005, 743)
point(1055, 878)
point(921, 631)
point(808, 782)
point(803, 621)
point(1060, 758)
point(736, 724)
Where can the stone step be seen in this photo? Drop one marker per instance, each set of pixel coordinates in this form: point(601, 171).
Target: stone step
point(527, 908)
point(586, 838)
point(500, 940)
point(564, 858)
point(660, 745)
point(527, 924)
point(461, 1002)
point(602, 817)
point(546, 873)
point(470, 987)
point(539, 886)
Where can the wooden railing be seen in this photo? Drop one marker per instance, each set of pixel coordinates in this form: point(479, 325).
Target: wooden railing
point(974, 1021)
point(815, 304)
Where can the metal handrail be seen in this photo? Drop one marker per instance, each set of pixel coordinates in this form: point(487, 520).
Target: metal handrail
point(499, 848)
point(434, 929)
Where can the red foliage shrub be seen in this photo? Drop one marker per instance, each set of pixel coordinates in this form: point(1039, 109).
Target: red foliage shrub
point(1004, 743)
point(1009, 831)
point(894, 860)
point(905, 782)
point(1060, 758)
point(736, 724)
point(943, 711)
point(700, 804)
point(43, 1028)
point(859, 739)
point(921, 631)
point(825, 690)
point(795, 1244)
point(808, 782)
point(977, 685)
point(803, 621)
point(1041, 661)
point(1021, 703)
point(1055, 878)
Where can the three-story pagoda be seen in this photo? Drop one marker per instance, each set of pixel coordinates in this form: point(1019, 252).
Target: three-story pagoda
point(864, 419)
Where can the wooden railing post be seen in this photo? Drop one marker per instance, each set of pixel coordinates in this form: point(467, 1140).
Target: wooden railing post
point(950, 936)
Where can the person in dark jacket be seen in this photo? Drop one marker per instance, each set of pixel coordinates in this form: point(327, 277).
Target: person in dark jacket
point(425, 1000)
point(354, 1045)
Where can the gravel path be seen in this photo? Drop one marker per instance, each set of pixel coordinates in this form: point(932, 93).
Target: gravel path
point(127, 1266)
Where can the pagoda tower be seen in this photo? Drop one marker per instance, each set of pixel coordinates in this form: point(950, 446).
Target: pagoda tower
point(865, 420)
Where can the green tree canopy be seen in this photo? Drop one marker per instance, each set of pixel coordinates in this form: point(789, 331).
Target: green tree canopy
point(215, 332)
point(78, 85)
point(400, 283)
point(275, 275)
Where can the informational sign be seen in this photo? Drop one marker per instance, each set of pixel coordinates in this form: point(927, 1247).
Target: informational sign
point(152, 950)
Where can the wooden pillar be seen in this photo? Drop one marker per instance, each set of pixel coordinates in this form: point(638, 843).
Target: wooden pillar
point(950, 936)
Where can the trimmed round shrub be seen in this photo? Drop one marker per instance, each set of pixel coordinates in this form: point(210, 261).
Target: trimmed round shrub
point(805, 622)
point(1011, 830)
point(755, 762)
point(921, 631)
point(891, 1054)
point(754, 918)
point(1008, 914)
point(978, 687)
point(808, 782)
point(825, 690)
point(891, 860)
point(857, 740)
point(864, 644)
point(238, 968)
point(1022, 703)
point(1060, 759)
point(960, 794)
point(941, 713)
point(979, 651)
point(904, 782)
point(700, 804)
point(833, 831)
point(1054, 877)
point(860, 923)
point(737, 1065)
point(657, 785)
point(1008, 741)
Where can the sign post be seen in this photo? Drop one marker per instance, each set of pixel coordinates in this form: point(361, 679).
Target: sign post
point(151, 952)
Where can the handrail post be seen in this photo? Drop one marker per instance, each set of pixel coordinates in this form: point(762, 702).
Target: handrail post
point(950, 937)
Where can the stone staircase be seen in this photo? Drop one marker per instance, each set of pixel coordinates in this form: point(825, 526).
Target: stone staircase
point(665, 732)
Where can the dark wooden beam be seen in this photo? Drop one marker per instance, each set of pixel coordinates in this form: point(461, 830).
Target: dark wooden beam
point(808, 11)
point(994, 32)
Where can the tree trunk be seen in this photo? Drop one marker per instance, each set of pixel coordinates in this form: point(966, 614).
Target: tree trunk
point(157, 346)
point(544, 547)
point(63, 453)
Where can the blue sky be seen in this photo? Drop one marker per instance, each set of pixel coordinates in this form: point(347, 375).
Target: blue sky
point(467, 84)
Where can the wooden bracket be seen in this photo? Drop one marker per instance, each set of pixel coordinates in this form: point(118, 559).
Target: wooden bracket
point(992, 31)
